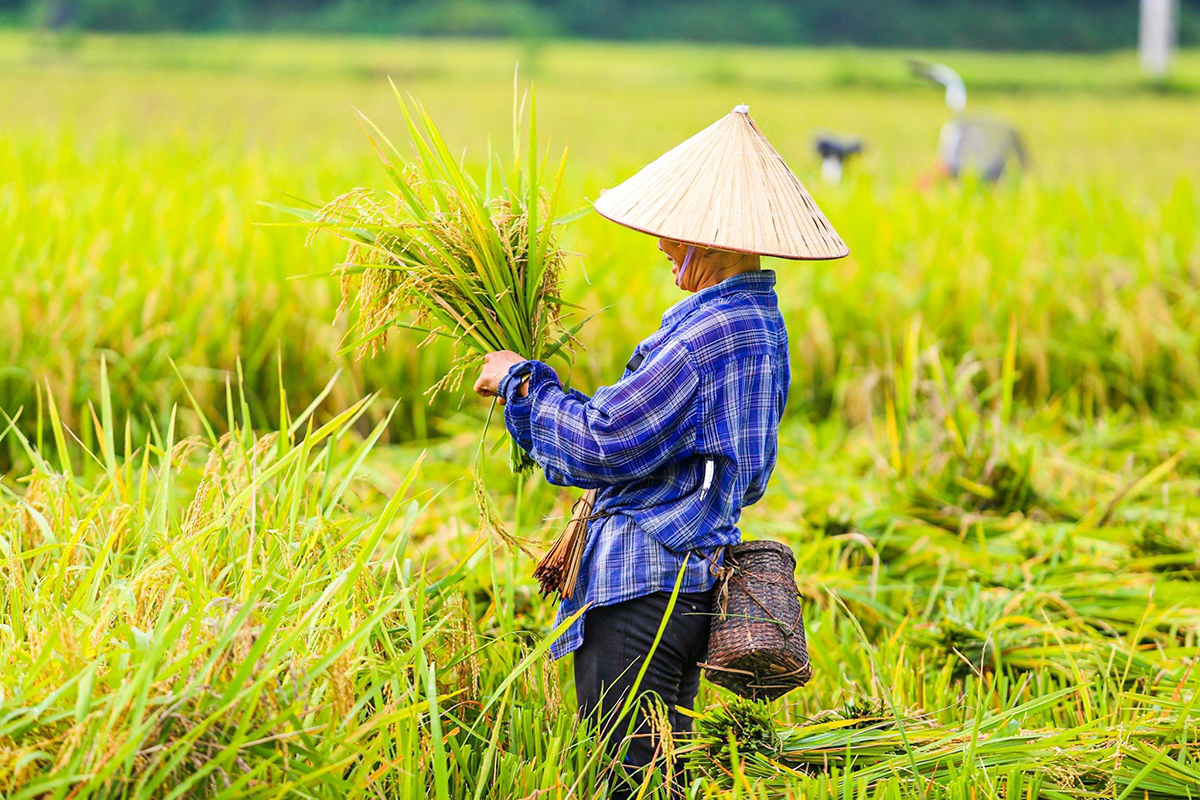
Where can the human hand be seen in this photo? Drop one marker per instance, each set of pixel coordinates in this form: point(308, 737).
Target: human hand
point(495, 367)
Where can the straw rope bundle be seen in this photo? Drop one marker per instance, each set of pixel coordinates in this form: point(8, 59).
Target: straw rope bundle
point(558, 570)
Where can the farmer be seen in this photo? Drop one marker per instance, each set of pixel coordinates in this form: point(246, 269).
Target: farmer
point(688, 436)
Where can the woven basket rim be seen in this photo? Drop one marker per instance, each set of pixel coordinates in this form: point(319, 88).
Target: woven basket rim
point(762, 545)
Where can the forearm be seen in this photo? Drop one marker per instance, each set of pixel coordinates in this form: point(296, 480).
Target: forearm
point(529, 389)
point(625, 433)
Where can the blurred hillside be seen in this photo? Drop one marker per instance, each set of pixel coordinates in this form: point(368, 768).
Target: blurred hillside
point(995, 24)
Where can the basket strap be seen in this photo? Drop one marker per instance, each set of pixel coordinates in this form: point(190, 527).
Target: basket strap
point(724, 572)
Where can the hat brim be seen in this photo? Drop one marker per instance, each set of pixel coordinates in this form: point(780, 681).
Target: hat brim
point(715, 246)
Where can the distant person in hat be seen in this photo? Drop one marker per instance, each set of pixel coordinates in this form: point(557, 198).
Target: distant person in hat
point(687, 437)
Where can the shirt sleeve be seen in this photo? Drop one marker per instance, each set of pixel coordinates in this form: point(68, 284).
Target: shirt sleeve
point(517, 408)
point(623, 433)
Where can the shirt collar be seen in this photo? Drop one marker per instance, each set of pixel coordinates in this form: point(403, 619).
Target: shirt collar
point(759, 282)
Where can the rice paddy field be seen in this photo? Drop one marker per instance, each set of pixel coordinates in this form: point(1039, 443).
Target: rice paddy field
point(235, 563)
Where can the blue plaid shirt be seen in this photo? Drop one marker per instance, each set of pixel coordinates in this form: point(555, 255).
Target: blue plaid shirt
point(676, 448)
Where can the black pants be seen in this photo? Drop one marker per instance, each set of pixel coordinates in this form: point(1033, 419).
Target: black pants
point(616, 640)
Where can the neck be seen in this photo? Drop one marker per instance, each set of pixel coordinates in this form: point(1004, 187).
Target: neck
point(710, 267)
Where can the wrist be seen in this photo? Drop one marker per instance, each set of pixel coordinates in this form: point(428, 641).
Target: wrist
point(525, 379)
point(515, 384)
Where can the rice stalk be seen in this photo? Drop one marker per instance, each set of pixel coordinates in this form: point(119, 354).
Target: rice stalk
point(442, 254)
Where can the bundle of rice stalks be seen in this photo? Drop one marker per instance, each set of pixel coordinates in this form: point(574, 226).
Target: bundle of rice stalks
point(1072, 761)
point(967, 647)
point(984, 631)
point(441, 253)
point(732, 736)
point(984, 486)
point(1165, 548)
point(978, 629)
point(857, 713)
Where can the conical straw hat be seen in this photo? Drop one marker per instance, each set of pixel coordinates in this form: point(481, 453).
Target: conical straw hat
point(728, 189)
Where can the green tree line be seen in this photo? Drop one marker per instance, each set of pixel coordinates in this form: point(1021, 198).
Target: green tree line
point(987, 24)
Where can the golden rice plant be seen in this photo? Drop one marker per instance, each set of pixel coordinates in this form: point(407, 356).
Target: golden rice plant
point(448, 255)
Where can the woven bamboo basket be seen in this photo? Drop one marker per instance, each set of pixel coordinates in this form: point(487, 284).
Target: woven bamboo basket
point(756, 646)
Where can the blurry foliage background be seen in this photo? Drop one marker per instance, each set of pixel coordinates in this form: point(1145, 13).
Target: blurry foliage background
point(133, 231)
point(996, 24)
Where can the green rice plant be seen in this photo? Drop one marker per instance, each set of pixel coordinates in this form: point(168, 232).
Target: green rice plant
point(445, 254)
point(301, 608)
point(243, 614)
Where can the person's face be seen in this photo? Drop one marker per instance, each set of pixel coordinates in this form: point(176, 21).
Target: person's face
point(675, 251)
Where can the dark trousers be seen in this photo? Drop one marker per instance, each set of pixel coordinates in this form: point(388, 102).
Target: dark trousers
point(616, 640)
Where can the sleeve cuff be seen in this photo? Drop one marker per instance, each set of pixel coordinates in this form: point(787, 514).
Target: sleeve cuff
point(535, 371)
point(507, 388)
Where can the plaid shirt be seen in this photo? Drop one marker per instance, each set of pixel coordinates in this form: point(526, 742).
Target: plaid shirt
point(677, 447)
